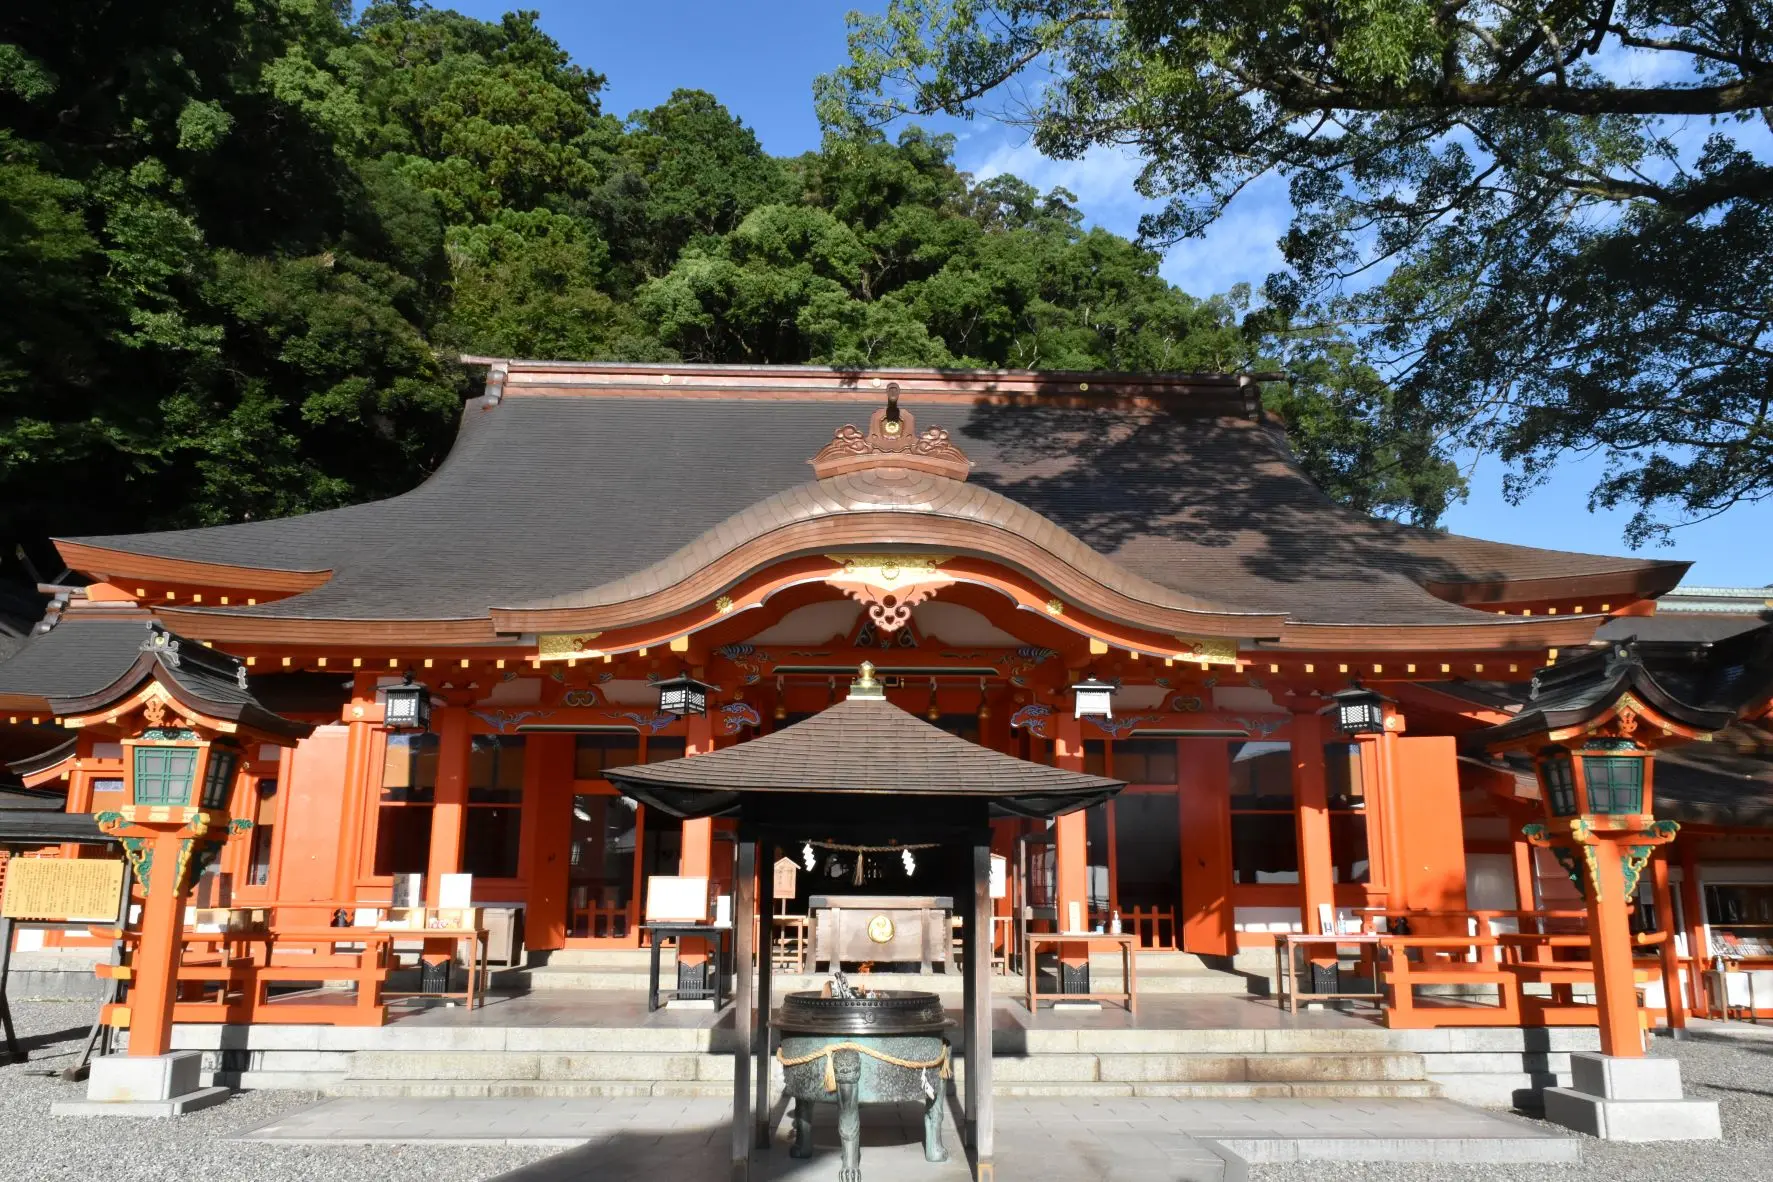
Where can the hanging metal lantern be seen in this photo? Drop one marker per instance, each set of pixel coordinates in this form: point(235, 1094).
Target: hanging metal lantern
point(1602, 778)
point(1358, 711)
point(1557, 781)
point(1093, 699)
point(407, 706)
point(683, 696)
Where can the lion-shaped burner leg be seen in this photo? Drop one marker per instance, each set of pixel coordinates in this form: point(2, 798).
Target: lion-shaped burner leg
point(848, 1067)
point(932, 1129)
point(803, 1129)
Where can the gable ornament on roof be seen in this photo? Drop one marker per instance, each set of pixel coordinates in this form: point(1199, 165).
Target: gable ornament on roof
point(889, 585)
point(891, 441)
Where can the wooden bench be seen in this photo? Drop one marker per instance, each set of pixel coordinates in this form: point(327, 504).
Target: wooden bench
point(226, 977)
point(1443, 963)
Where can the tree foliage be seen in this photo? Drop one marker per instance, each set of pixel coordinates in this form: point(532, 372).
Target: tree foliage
point(242, 242)
point(1549, 222)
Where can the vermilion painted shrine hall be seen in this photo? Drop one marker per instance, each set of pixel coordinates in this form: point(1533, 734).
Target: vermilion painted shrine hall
point(988, 542)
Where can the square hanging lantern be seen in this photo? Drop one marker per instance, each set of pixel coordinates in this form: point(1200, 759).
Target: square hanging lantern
point(1358, 711)
point(218, 776)
point(683, 696)
point(1093, 699)
point(164, 768)
point(1613, 777)
point(407, 706)
point(1557, 781)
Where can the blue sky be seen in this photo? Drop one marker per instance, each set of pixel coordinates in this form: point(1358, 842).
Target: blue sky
point(760, 58)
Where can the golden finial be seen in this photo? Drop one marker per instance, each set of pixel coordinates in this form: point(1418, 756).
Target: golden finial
point(865, 685)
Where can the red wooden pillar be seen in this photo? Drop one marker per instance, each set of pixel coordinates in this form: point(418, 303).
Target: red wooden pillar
point(363, 779)
point(1317, 878)
point(448, 815)
point(1609, 927)
point(1071, 844)
point(696, 860)
point(1526, 893)
point(451, 799)
point(155, 969)
point(548, 832)
point(1693, 912)
point(1209, 922)
point(1672, 997)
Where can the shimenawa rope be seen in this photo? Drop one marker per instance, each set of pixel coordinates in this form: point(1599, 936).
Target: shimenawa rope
point(831, 1072)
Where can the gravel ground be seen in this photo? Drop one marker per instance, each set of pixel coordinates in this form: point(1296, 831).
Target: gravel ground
point(1735, 1069)
point(193, 1148)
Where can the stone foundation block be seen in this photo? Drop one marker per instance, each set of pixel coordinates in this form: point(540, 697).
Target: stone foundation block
point(144, 1086)
point(1633, 1120)
point(1616, 1078)
point(1630, 1099)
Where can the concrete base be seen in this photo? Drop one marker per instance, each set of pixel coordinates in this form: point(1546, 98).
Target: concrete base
point(1629, 1099)
point(144, 1086)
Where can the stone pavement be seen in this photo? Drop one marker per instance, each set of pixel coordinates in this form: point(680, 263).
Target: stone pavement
point(1060, 1140)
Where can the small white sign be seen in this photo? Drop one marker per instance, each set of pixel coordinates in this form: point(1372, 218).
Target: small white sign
point(1000, 877)
point(409, 891)
point(676, 899)
point(455, 890)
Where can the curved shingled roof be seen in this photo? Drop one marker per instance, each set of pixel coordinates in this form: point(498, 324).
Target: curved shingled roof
point(863, 745)
point(583, 476)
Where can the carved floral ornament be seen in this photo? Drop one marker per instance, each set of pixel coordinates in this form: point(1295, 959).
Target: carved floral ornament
point(891, 441)
point(889, 585)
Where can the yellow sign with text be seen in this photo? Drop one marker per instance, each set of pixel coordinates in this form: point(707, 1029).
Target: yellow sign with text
point(62, 889)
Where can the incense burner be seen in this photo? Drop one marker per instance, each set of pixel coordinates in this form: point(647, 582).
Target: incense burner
point(886, 1047)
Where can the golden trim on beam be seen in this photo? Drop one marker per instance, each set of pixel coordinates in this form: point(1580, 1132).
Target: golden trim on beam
point(1207, 650)
point(558, 646)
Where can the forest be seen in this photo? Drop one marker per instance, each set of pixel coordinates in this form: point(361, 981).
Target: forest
point(244, 242)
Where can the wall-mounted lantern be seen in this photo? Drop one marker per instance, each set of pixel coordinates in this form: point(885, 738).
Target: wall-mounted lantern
point(407, 706)
point(683, 696)
point(1358, 711)
point(1093, 698)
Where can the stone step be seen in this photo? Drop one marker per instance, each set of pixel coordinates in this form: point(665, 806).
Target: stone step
point(1156, 960)
point(559, 1088)
point(550, 978)
point(1050, 1069)
point(528, 1089)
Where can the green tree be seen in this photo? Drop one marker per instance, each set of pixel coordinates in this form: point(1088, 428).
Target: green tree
point(1571, 235)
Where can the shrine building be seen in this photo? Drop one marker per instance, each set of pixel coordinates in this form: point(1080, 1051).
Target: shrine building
point(1127, 577)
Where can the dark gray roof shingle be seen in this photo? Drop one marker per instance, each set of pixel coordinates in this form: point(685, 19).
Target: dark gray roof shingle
point(549, 494)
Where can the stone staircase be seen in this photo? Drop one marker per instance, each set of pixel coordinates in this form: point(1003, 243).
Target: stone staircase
point(1098, 1063)
point(624, 968)
point(1485, 1066)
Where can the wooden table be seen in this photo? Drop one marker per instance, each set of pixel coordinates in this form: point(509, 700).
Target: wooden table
point(721, 935)
point(471, 995)
point(1128, 995)
point(1285, 967)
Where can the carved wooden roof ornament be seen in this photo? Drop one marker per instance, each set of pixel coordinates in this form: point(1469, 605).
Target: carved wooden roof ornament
point(892, 441)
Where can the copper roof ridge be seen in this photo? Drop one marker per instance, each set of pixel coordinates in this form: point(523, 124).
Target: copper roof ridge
point(942, 499)
point(514, 365)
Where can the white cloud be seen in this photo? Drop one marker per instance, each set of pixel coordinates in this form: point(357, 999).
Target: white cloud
point(1239, 248)
point(1102, 178)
